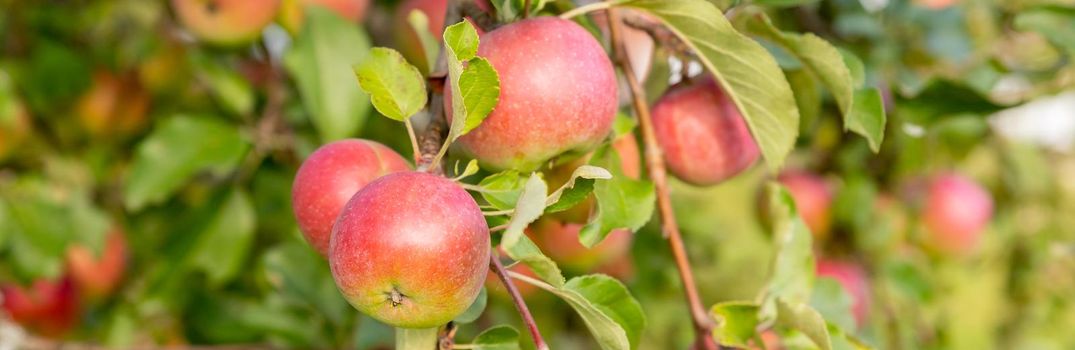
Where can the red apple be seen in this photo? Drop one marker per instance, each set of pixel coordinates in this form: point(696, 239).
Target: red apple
point(813, 198)
point(955, 212)
point(704, 138)
point(557, 95)
point(113, 106)
point(49, 308)
point(410, 249)
point(330, 177)
point(225, 22)
point(293, 12)
point(853, 278)
point(96, 276)
point(560, 241)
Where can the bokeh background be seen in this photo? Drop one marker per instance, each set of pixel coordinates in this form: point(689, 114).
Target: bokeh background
point(145, 177)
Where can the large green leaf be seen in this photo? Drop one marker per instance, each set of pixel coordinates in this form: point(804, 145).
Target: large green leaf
point(396, 88)
point(612, 298)
point(746, 71)
point(526, 252)
point(177, 149)
point(621, 201)
point(222, 248)
point(320, 62)
point(803, 318)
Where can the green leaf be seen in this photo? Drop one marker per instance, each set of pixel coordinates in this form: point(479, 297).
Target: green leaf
point(807, 97)
point(480, 87)
point(177, 149)
point(621, 201)
point(820, 57)
point(222, 249)
point(41, 219)
point(228, 87)
point(737, 323)
point(471, 169)
point(320, 62)
point(867, 117)
point(611, 298)
point(430, 47)
point(1055, 23)
point(746, 71)
point(302, 275)
point(855, 66)
point(803, 318)
point(833, 303)
point(474, 310)
point(576, 189)
point(529, 207)
point(792, 276)
point(461, 40)
point(502, 189)
point(396, 88)
point(526, 252)
point(475, 86)
point(497, 338)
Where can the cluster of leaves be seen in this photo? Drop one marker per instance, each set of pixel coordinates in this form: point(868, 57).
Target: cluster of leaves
point(216, 257)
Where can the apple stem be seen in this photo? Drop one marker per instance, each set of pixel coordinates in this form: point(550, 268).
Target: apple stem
point(415, 148)
point(703, 325)
point(520, 304)
point(416, 338)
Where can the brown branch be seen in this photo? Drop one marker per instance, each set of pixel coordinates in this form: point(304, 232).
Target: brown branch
point(520, 304)
point(446, 339)
point(657, 173)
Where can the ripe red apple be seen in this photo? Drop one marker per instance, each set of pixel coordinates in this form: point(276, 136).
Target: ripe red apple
point(626, 148)
point(410, 249)
point(813, 198)
point(14, 128)
point(49, 308)
point(560, 241)
point(113, 106)
point(96, 276)
point(556, 96)
point(293, 12)
point(955, 212)
point(225, 22)
point(853, 278)
point(704, 138)
point(330, 177)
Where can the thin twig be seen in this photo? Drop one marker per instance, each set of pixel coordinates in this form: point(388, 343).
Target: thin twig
point(520, 304)
point(526, 8)
point(661, 34)
point(655, 163)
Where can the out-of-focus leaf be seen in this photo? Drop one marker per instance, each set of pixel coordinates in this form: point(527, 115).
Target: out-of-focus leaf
point(792, 276)
point(430, 45)
point(497, 338)
point(229, 88)
point(1054, 22)
point(320, 63)
point(832, 302)
point(474, 310)
point(223, 247)
point(177, 149)
point(867, 117)
point(746, 71)
point(300, 273)
point(803, 318)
